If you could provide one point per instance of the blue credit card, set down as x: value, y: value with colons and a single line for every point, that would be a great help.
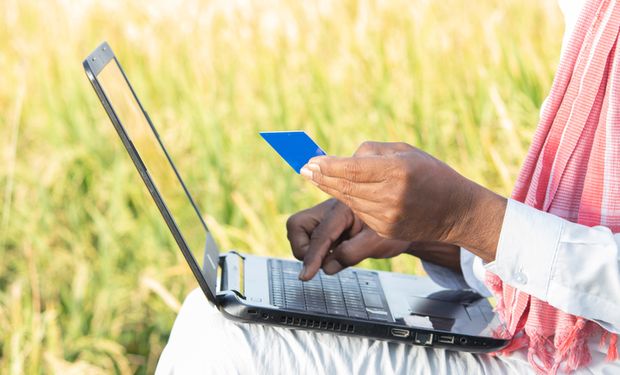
x: 295, y: 147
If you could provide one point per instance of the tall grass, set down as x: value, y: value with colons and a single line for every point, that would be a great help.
x: 90, y: 279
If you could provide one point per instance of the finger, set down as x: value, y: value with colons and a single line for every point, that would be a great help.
x: 361, y: 206
x: 374, y: 214
x: 363, y: 246
x: 357, y: 168
x: 350, y: 252
x: 299, y: 226
x: 355, y: 203
x: 367, y: 191
x: 298, y: 230
x: 323, y: 238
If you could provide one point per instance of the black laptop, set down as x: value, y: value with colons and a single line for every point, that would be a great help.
x: 262, y: 290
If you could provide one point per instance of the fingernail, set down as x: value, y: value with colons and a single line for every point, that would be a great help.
x: 314, y: 167
x: 332, y: 267
x: 303, y: 272
x: 306, y: 172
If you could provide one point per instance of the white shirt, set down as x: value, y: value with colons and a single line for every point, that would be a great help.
x: 570, y: 266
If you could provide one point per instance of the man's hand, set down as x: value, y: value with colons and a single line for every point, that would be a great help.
x: 403, y: 193
x: 331, y: 237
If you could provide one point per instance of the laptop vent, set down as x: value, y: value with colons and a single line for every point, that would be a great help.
x: 326, y: 325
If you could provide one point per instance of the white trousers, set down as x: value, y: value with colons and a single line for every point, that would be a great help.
x: 203, y: 341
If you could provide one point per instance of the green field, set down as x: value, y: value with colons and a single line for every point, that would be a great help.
x: 90, y: 279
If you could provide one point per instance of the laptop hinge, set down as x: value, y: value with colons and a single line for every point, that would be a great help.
x: 233, y: 273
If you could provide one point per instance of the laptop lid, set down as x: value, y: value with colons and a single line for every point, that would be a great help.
x: 155, y: 166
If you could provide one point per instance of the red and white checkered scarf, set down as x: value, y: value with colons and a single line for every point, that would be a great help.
x: 572, y: 170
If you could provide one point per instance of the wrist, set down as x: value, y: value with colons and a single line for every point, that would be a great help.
x: 480, y: 224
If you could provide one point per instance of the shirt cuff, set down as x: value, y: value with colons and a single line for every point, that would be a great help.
x: 527, y: 249
x: 474, y: 272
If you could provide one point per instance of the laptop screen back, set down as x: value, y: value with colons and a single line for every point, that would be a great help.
x: 157, y: 167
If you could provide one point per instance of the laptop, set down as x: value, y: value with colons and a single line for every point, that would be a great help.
x: 262, y: 290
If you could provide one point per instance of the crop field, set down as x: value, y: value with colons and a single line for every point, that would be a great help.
x: 90, y: 278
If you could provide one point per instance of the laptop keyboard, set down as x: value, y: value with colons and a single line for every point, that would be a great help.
x: 350, y: 293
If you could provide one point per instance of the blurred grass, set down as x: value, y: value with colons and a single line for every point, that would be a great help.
x: 90, y: 279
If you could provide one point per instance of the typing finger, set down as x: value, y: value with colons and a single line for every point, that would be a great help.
x: 338, y: 221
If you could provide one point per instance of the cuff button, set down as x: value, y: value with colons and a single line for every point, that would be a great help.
x: 521, y: 278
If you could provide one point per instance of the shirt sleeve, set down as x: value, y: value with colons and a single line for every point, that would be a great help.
x: 572, y: 267
x: 472, y: 276
x: 445, y: 276
x: 474, y: 272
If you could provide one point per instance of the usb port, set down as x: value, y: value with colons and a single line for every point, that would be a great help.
x: 397, y: 332
x: 446, y: 339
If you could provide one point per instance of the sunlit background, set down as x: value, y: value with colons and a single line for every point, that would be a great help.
x: 90, y: 279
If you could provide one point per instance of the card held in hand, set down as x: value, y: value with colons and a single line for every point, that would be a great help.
x: 295, y: 147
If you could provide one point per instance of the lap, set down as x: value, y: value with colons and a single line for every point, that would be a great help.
x: 204, y: 341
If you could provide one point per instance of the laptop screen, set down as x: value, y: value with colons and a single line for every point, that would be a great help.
x: 184, y: 215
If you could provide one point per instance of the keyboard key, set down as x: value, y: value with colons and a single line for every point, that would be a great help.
x: 316, y: 308
x: 337, y: 311
x: 379, y: 317
x: 357, y: 314
x: 372, y: 300
x: 296, y: 306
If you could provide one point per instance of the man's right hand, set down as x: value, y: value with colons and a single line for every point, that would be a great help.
x: 331, y: 237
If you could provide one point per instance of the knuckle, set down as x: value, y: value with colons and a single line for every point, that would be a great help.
x: 390, y: 216
x: 293, y: 221
x: 392, y: 200
x: 298, y: 254
x: 342, y: 212
x: 318, y: 178
x: 340, y: 208
x: 351, y: 169
x: 402, y: 146
x: 322, y: 235
x: 366, y: 148
x: 346, y: 188
x: 331, y: 203
x: 317, y: 235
